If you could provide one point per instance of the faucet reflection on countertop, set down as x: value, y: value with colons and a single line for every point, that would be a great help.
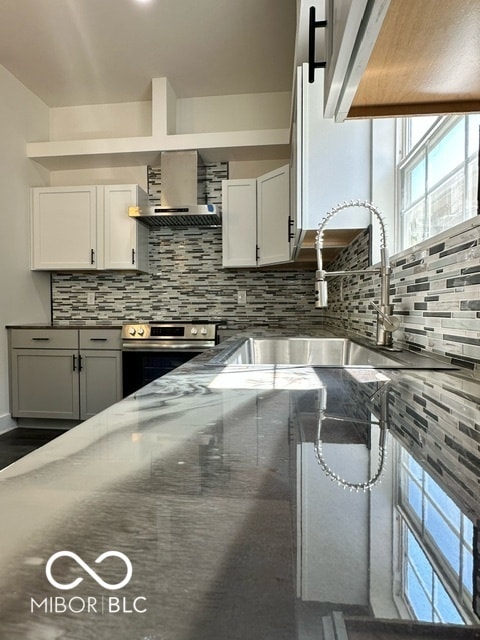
x: 386, y: 321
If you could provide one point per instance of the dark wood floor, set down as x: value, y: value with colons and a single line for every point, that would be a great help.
x: 18, y: 442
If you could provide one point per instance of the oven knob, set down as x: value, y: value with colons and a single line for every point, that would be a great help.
x: 141, y: 331
x: 132, y: 331
x: 203, y: 331
x: 194, y: 331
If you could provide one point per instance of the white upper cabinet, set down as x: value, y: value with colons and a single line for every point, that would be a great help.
x: 125, y: 240
x: 273, y: 217
x: 87, y: 228
x: 239, y: 223
x: 332, y: 159
x: 64, y: 228
x: 256, y: 225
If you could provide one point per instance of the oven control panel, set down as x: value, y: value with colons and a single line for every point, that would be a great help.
x: 166, y: 331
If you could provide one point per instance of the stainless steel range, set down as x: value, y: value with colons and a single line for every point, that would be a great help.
x: 154, y: 349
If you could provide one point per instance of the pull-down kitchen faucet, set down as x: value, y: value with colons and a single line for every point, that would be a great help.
x: 386, y: 321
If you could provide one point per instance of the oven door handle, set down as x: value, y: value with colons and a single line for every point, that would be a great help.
x: 143, y: 345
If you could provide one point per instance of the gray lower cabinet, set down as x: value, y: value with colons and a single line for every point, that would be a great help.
x: 100, y: 381
x: 68, y: 374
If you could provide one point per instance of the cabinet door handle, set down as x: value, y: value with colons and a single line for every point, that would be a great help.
x: 313, y: 25
x: 257, y: 253
x: 133, y: 256
x: 74, y: 362
x: 79, y: 363
x: 290, y: 232
x: 92, y: 256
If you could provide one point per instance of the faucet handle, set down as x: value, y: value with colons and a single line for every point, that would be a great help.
x: 389, y: 321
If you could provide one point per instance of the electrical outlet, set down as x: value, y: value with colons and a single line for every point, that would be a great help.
x: 242, y: 296
x: 91, y: 297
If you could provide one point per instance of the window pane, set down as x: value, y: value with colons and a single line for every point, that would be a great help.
x: 445, y: 204
x: 473, y: 133
x: 414, y: 468
x: 415, y: 497
x: 467, y: 530
x: 444, y: 605
x: 444, y: 537
x: 446, y: 505
x: 415, y: 227
x: 467, y: 554
x: 419, y: 580
x: 414, y: 182
x: 417, y: 597
x: 467, y: 573
x: 472, y: 189
x: 447, y: 154
x: 418, y: 128
x: 419, y: 561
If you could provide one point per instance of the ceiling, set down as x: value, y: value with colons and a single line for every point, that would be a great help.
x: 78, y: 52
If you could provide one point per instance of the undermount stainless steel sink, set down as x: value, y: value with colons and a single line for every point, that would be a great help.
x: 320, y: 352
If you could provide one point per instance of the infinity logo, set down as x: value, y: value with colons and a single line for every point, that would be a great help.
x: 79, y: 561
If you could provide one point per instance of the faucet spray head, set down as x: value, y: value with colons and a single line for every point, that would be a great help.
x: 321, y: 292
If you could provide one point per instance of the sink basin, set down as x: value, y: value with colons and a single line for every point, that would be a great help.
x: 320, y: 352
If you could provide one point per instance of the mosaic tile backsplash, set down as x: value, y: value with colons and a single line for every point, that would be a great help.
x: 187, y: 280
x: 435, y: 289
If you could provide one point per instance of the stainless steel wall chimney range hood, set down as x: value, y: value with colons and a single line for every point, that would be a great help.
x: 181, y: 193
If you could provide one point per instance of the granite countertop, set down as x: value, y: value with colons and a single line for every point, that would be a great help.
x: 87, y: 324
x: 229, y: 498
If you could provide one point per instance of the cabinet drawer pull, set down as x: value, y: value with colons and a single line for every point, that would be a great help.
x: 98, y: 339
x: 41, y: 339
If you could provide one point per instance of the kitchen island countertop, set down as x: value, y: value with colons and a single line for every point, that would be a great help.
x: 226, y: 504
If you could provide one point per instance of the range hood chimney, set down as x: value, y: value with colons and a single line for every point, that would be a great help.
x: 182, y: 201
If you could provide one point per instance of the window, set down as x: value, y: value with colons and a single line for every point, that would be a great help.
x: 437, y: 553
x: 438, y: 175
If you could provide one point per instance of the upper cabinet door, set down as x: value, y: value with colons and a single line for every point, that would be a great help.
x: 64, y: 228
x: 88, y: 228
x: 125, y: 240
x: 335, y: 161
x: 255, y: 220
x: 239, y: 223
x: 273, y: 217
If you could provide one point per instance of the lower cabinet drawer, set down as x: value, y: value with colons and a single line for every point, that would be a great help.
x: 100, y: 339
x: 44, y: 338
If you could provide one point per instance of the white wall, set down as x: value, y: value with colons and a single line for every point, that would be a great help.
x: 234, y: 112
x: 121, y: 120
x: 24, y: 295
x: 209, y: 114
x: 253, y: 168
x: 102, y: 175
x: 383, y: 182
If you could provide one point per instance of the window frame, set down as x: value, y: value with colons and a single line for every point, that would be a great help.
x: 410, y: 154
